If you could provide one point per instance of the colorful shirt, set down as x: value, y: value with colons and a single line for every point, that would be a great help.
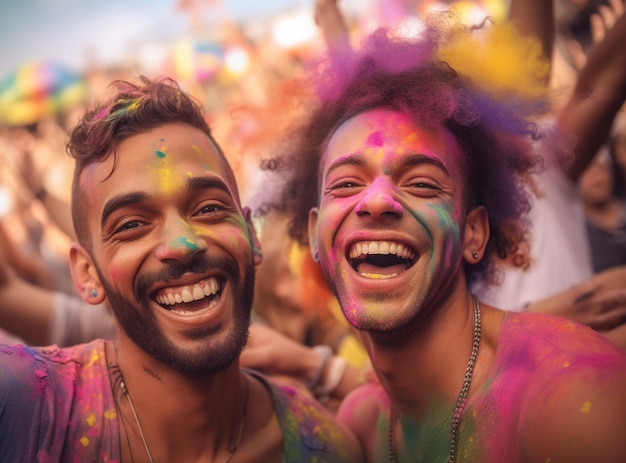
x: 57, y: 405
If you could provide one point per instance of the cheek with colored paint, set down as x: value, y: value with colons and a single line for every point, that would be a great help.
x: 114, y: 274
x: 121, y: 273
x: 447, y: 229
x: 238, y: 236
x: 329, y: 220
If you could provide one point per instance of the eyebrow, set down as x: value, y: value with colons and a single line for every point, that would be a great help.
x: 353, y: 159
x: 118, y: 202
x: 356, y: 159
x: 417, y: 159
x: 127, y: 199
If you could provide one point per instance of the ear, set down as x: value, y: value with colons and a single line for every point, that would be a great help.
x: 312, y: 229
x: 475, y: 235
x: 257, y: 252
x: 86, y: 279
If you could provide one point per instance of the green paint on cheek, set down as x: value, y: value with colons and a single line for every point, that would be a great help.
x: 160, y: 153
x: 445, y: 218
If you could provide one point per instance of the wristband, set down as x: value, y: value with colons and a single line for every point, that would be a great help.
x: 336, y: 370
x: 324, y: 352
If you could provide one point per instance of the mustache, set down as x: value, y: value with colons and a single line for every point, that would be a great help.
x: 172, y: 271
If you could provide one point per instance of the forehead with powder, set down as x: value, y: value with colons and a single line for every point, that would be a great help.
x: 162, y: 152
x: 383, y: 134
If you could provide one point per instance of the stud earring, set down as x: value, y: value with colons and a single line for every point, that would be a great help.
x: 475, y: 254
x: 94, y: 293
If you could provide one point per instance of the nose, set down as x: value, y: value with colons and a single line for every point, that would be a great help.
x: 180, y: 241
x: 378, y: 201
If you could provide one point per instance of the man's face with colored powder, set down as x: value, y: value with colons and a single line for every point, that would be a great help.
x: 172, y: 247
x: 387, y: 228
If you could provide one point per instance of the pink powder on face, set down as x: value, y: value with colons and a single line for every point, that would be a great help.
x: 375, y: 139
x: 114, y: 274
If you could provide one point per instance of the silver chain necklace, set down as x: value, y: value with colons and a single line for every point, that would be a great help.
x: 231, y: 449
x: 461, y: 400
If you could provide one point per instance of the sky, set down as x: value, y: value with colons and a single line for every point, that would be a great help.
x: 63, y: 30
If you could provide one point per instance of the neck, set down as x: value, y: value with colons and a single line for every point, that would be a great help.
x: 189, y: 410
x: 460, y: 402
x: 438, y: 356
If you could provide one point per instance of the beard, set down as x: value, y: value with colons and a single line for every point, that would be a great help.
x: 137, y: 319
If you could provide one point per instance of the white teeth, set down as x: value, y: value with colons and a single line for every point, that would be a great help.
x: 381, y: 247
x: 196, y: 292
x: 187, y: 296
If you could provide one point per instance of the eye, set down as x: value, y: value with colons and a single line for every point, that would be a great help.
x: 128, y: 227
x: 423, y: 188
x: 426, y: 185
x: 210, y: 209
x: 343, y: 187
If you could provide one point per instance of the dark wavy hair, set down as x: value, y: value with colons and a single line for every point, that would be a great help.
x: 494, y: 129
x: 132, y: 109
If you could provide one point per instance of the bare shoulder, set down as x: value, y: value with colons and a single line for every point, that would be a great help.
x: 364, y: 411
x: 579, y: 416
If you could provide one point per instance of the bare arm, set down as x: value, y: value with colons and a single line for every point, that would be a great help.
x: 330, y: 20
x: 535, y: 18
x: 58, y: 209
x: 599, y: 93
x: 25, y: 309
x: 599, y: 302
x: 276, y: 354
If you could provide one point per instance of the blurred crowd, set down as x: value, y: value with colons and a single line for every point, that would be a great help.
x: 249, y: 113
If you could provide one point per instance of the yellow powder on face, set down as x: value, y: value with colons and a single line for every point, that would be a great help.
x: 168, y: 182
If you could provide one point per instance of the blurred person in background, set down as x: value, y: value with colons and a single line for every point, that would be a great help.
x: 605, y: 209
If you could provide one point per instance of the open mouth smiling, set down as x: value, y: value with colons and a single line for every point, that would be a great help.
x: 190, y: 299
x: 381, y: 259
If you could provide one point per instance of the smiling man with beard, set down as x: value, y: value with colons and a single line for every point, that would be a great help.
x: 163, y: 239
